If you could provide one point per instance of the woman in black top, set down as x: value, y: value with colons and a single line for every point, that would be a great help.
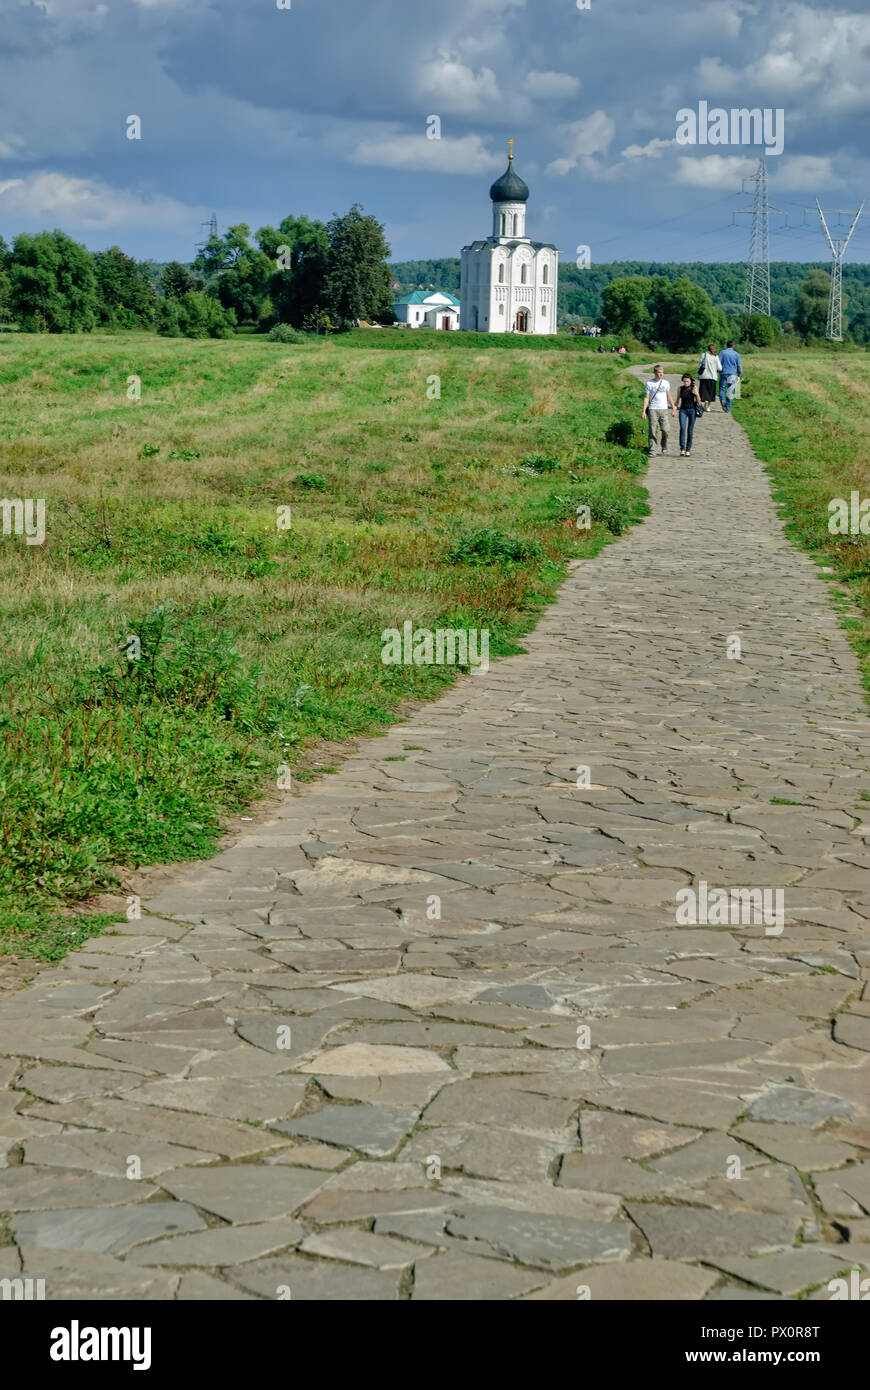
x: 688, y: 396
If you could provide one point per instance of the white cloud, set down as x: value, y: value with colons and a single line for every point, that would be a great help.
x: 805, y: 172
x: 61, y: 200
x: 730, y: 17
x: 654, y: 149
x: 555, y: 85
x: 714, y: 171
x: 465, y: 155
x: 714, y: 77
x: 815, y: 57
x: 584, y: 142
x: 453, y: 87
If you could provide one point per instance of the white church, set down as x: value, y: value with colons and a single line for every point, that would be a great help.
x: 508, y: 283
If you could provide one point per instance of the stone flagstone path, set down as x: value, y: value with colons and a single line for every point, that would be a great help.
x: 433, y: 1130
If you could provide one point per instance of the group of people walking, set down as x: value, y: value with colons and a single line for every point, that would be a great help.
x: 695, y: 398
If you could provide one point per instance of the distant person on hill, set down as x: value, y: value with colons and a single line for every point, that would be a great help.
x: 688, y: 396
x: 622, y: 352
x: 656, y: 403
x: 732, y: 371
x: 709, y: 369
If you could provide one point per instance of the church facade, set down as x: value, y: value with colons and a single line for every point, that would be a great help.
x: 508, y: 283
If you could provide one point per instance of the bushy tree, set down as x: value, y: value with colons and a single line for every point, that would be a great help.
x: 194, y: 315
x: 623, y: 306
x: 357, y: 283
x: 53, y: 288
x: 234, y: 272
x: 5, y: 282
x: 176, y: 280
x: 760, y: 329
x: 295, y: 287
x: 811, y: 305
x: 682, y: 314
x: 125, y: 290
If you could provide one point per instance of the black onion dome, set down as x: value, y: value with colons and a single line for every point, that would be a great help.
x: 510, y: 188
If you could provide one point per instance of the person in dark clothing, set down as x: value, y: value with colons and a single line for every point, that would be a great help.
x: 688, y: 396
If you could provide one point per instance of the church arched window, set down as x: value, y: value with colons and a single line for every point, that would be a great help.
x: 501, y: 274
x: 516, y: 222
x: 524, y: 274
x: 504, y: 224
x: 546, y: 278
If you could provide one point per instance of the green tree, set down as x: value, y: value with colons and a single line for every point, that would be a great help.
x: 357, y: 283
x: 234, y: 272
x: 623, y: 306
x: 194, y: 315
x: 53, y: 288
x: 125, y: 290
x: 5, y: 282
x: 298, y: 251
x: 811, y: 305
x: 760, y: 329
x: 682, y: 314
x: 176, y: 280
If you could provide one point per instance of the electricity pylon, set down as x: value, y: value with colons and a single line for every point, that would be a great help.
x: 838, y: 250
x: 756, y: 299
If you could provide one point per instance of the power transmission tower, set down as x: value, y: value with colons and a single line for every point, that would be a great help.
x: 212, y: 226
x: 838, y: 250
x: 756, y: 299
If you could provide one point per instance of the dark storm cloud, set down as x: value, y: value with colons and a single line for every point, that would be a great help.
x: 255, y: 111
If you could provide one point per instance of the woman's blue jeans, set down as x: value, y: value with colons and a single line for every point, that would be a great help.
x: 687, y: 428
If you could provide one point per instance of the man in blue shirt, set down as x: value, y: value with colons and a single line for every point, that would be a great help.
x: 732, y: 370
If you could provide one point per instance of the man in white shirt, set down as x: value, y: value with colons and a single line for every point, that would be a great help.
x: 656, y: 403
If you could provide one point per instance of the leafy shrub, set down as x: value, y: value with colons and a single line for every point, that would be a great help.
x: 540, y: 463
x: 490, y: 546
x: 149, y: 450
x: 194, y: 315
x: 283, y: 333
x: 607, y: 503
x: 620, y: 432
x: 186, y: 454
x: 315, y: 482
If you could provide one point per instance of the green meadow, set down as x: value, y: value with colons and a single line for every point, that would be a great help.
x: 223, y: 554
x: 808, y: 420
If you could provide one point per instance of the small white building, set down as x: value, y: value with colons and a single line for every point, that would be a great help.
x: 434, y: 308
x: 509, y: 284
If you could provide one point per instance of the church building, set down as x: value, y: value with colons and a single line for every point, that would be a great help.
x: 508, y: 283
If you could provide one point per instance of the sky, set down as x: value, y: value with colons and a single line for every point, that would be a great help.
x: 251, y: 111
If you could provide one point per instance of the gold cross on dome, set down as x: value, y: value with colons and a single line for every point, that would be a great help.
x: 510, y: 148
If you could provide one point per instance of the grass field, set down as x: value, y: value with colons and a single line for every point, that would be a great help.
x: 808, y: 418
x: 252, y: 642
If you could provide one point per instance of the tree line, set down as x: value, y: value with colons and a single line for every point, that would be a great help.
x: 310, y: 275
x: 798, y: 290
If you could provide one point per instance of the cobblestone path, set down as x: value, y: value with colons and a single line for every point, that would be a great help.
x: 293, y: 1075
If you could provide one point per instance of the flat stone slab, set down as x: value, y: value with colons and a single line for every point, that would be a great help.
x: 373, y: 1129
x: 663, y: 1281
x: 367, y: 1059
x: 853, y: 1031
x: 786, y: 1274
x: 362, y: 1247
x: 112, y: 1230
x: 789, y: 1105
x: 682, y: 1232
x: 30, y: 1188
x: 222, y: 1247
x: 457, y: 1277
x: 245, y: 1191
x: 310, y: 1280
x: 536, y: 1239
